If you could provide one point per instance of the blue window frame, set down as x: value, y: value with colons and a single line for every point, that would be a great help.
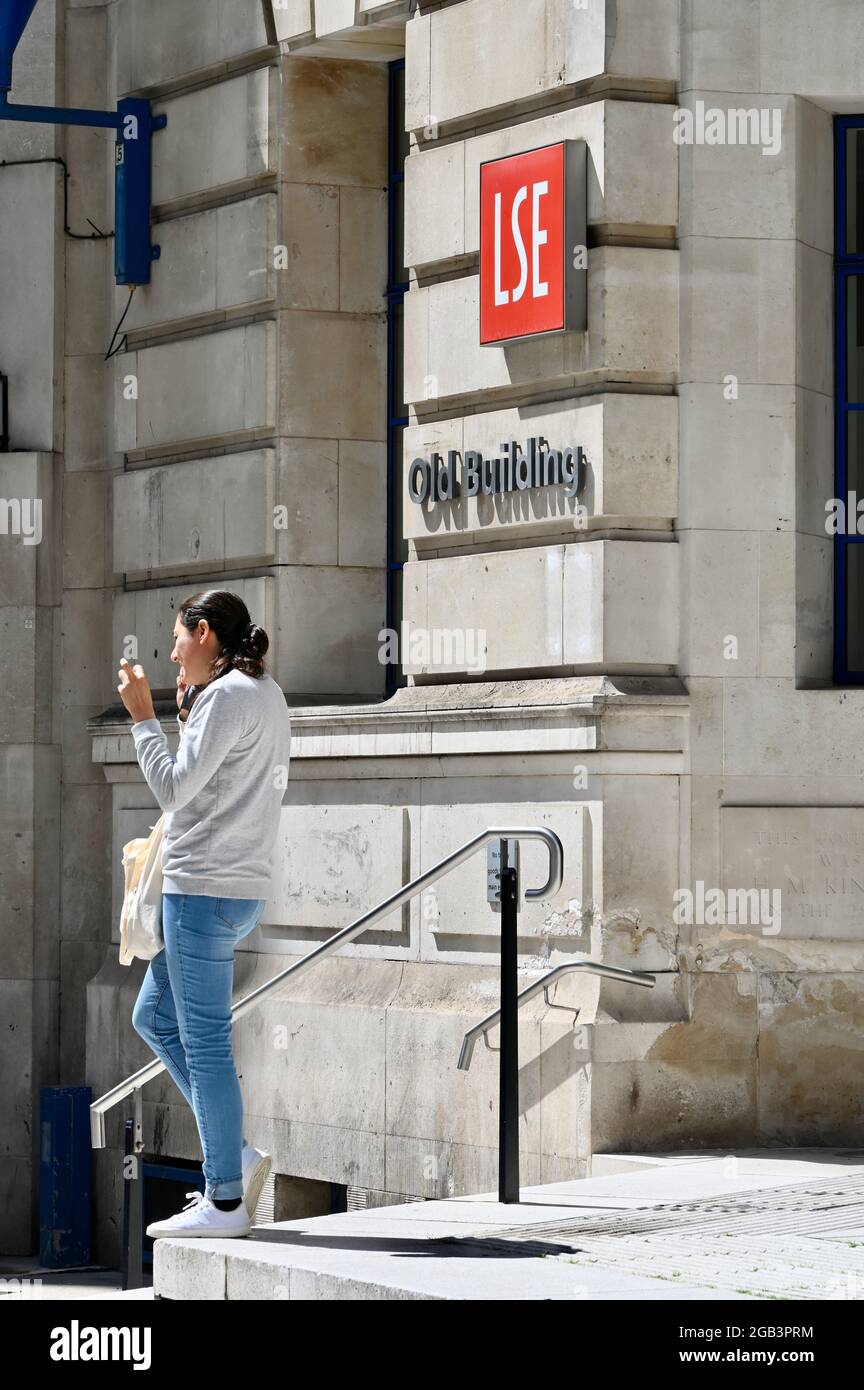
x: 849, y: 395
x: 397, y: 414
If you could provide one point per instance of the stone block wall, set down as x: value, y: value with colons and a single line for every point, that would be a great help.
x: 653, y: 664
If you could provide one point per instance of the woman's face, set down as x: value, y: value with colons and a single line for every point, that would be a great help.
x: 195, y: 651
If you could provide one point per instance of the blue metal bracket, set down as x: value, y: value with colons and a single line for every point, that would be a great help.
x: 134, y: 123
x: 133, y: 252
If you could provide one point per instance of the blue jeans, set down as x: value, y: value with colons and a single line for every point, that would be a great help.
x: 183, y: 1011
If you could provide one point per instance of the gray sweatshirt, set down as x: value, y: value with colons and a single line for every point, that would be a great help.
x: 223, y: 790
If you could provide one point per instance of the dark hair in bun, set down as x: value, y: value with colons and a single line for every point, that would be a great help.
x: 244, y: 644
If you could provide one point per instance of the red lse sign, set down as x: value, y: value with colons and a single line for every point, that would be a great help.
x: 530, y: 217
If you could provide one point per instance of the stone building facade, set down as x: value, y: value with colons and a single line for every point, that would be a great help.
x: 658, y: 680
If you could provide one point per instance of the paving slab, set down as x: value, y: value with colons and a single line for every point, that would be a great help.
x: 652, y: 1229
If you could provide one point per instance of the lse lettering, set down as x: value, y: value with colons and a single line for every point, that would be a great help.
x: 539, y: 237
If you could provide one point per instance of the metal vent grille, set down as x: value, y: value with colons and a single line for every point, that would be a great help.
x: 265, y: 1212
x: 360, y: 1198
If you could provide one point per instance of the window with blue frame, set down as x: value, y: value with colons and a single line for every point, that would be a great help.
x: 397, y: 413
x: 849, y: 397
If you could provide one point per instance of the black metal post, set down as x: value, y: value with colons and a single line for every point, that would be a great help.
x: 133, y: 1211
x: 508, y: 1106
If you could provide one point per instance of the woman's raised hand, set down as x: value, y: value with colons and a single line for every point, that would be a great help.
x: 134, y: 690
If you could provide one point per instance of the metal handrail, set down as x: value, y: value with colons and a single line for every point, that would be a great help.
x: 553, y: 883
x: 591, y: 967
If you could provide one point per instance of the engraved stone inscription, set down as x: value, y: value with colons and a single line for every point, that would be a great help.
x: 813, y: 855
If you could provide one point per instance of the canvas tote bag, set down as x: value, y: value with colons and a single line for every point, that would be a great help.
x: 141, y: 917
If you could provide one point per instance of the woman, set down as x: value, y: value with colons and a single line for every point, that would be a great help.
x: 221, y: 794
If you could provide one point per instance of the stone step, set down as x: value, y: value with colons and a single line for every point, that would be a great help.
x: 791, y: 1221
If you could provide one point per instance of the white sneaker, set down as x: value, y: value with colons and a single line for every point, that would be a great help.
x: 201, y: 1218
x: 256, y: 1166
